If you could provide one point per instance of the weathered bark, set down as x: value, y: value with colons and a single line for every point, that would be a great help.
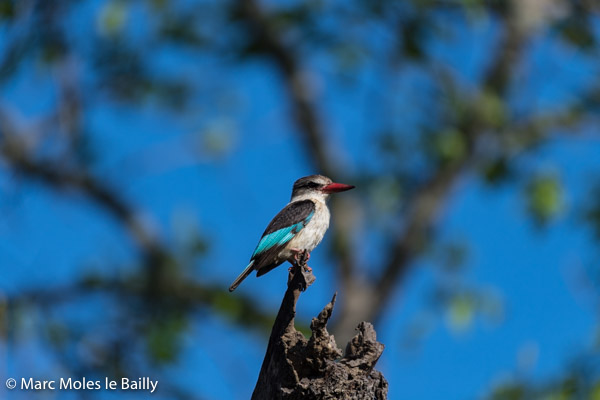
x: 297, y: 368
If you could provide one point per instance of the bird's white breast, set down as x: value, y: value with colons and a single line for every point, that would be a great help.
x: 312, y: 234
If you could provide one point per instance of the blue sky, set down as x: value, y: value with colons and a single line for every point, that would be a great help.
x: 52, y: 238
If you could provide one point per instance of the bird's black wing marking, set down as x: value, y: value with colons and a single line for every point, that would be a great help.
x: 291, y: 214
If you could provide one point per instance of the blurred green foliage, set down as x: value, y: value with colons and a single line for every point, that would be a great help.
x: 545, y: 197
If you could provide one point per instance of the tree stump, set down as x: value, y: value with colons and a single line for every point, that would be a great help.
x: 297, y: 368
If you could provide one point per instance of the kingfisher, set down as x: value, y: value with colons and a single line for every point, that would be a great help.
x: 299, y: 227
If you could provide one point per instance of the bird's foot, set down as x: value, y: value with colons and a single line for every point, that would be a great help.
x: 301, y: 256
x: 299, y: 267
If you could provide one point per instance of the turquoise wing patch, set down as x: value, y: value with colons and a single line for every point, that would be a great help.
x: 281, y: 236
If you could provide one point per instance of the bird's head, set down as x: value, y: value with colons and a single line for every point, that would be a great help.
x: 318, y: 186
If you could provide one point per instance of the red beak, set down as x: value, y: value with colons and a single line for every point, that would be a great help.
x: 336, y: 187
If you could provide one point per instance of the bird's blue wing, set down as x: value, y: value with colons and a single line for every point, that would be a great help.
x: 281, y: 236
x: 291, y: 220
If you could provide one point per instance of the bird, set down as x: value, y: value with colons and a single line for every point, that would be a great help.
x: 299, y: 227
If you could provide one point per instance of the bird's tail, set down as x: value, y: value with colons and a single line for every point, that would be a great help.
x: 242, y: 276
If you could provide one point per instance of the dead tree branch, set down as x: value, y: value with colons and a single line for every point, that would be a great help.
x: 297, y: 368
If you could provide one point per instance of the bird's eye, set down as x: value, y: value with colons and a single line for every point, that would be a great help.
x: 313, y: 185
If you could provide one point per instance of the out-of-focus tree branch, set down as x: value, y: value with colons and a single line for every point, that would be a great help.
x: 310, y: 125
x: 370, y: 296
x: 178, y: 293
x: 422, y: 210
x: 60, y: 175
x: 425, y: 205
x: 55, y: 174
x: 296, y: 81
